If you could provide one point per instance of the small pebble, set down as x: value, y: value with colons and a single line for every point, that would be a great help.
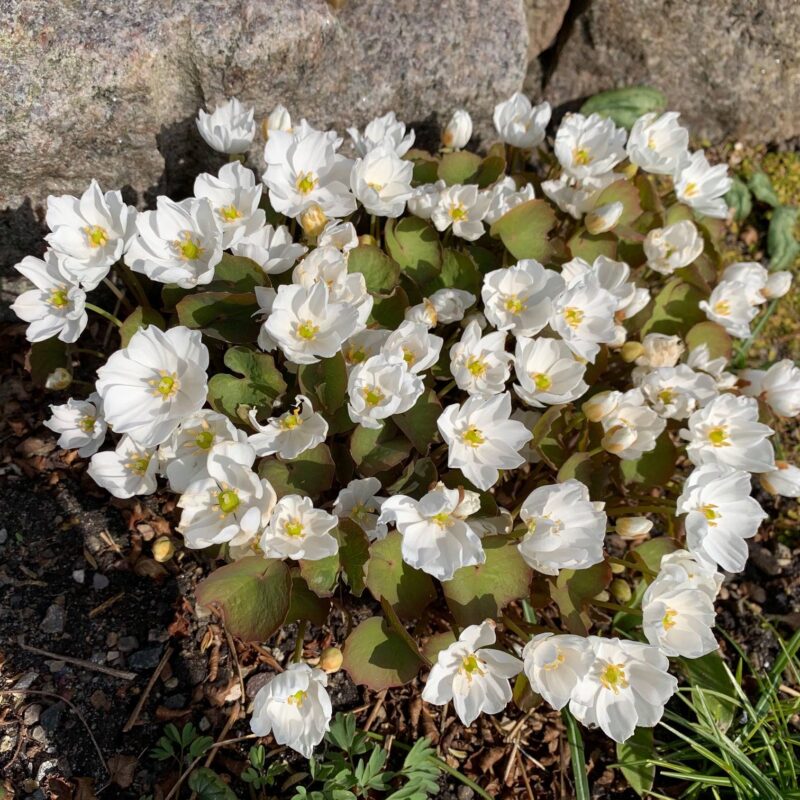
x: 53, y: 621
x: 38, y: 734
x: 79, y: 575
x: 175, y: 701
x: 31, y: 715
x: 145, y: 659
x: 51, y: 717
x: 171, y: 683
x: 3, y: 535
x: 112, y: 655
x: 99, y: 581
x: 127, y: 644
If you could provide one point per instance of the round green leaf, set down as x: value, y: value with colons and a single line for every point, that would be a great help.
x: 652, y: 551
x: 459, y: 167
x: 325, y: 382
x: 653, y: 468
x: 524, y: 230
x: 626, y: 105
x: 376, y: 451
x: 310, y: 474
x: 321, y: 575
x: 305, y: 604
x: 436, y: 643
x: 715, y: 336
x: 589, y: 246
x: 458, y: 272
x: 238, y: 274
x: 633, y: 756
x: 419, y: 422
x: 625, y: 192
x: 675, y: 309
x: 414, y: 244
x: 139, y: 318
x: 227, y: 316
x: 573, y: 591
x: 380, y: 272
x: 353, y: 554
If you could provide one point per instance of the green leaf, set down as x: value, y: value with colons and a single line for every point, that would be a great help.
x: 238, y: 274
x: 632, y: 758
x: 380, y: 272
x: 458, y: 272
x: 305, y: 604
x: 459, y: 167
x: 481, y: 592
x: 310, y: 474
x: 46, y: 357
x: 652, y: 551
x: 782, y: 245
x: 209, y: 786
x: 653, y: 468
x: 419, y: 422
x: 589, y: 246
x: 761, y: 187
x: 739, y: 199
x: 252, y: 595
x: 708, y: 677
x: 375, y: 451
x: 379, y: 658
x: 436, y: 643
x: 139, y: 318
x: 388, y: 312
x: 221, y: 315
x: 353, y: 554
x: 261, y: 385
x: 416, y: 479
x: 408, y: 590
x: 625, y: 106
x: 321, y: 575
x: 492, y: 167
x: 675, y: 309
x: 394, y: 622
x: 625, y: 192
x: 578, y: 465
x: 426, y: 167
x: 325, y: 382
x: 414, y: 244
x: 714, y: 336
x: 524, y: 230
x: 573, y: 591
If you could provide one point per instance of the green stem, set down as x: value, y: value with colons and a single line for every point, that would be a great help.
x: 578, y: 758
x: 634, y: 510
x: 741, y: 354
x: 301, y: 635
x: 88, y: 352
x: 630, y: 565
x: 133, y: 283
x: 446, y: 389
x: 103, y: 313
x: 111, y: 286
x: 615, y: 607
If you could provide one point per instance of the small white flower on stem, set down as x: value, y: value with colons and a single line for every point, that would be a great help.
x: 290, y: 434
x: 412, y: 343
x: 519, y: 123
x: 554, y: 663
x: 271, y: 248
x: 230, y: 128
x: 778, y: 386
x: 385, y: 131
x: 80, y: 425
x: 380, y: 387
x: 658, y: 144
x: 480, y: 364
x: 784, y: 480
x: 673, y: 247
x: 463, y: 208
x: 381, y: 181
x: 702, y: 186
x: 359, y: 501
x: 589, y: 146
x: 297, y: 530
x: 547, y: 372
x: 128, y: 471
x: 458, y: 130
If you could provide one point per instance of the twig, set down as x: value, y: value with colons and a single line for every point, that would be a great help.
x: 380, y: 700
x: 525, y: 776
x: 147, y: 689
x: 73, y: 707
x: 79, y: 662
x: 235, y: 657
x: 105, y: 605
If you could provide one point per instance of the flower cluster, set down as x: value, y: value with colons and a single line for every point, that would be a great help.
x: 453, y: 366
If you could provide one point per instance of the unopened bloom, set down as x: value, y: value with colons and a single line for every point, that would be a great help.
x: 450, y: 305
x: 519, y: 123
x: 627, y: 685
x: 437, y: 538
x: 504, y: 196
x: 359, y: 501
x: 779, y: 386
x: 784, y: 480
x: 547, y: 372
x: 633, y: 527
x: 729, y: 306
x: 520, y: 298
x: 128, y: 471
x: 295, y: 707
x: 177, y: 243
x: 565, y: 528
x: 385, y: 131
x: 604, y: 218
x: 658, y: 144
x: 660, y: 350
x: 412, y: 343
x: 80, y: 425
x: 480, y: 364
x: 577, y: 197
x: 589, y: 146
x: 230, y: 503
x: 234, y: 198
x: 291, y: 433
x: 727, y: 431
x: 601, y: 405
x: 472, y: 674
x: 458, y: 130
x: 379, y: 388
x: 702, y: 186
x: 463, y: 207
x: 279, y: 119
x: 89, y: 233
x: 760, y: 285
x: 229, y: 129
x: 381, y: 181
x: 56, y: 307
x: 425, y: 198
x: 673, y: 247
x: 675, y: 392
x: 154, y: 383
x: 632, y: 428
x: 298, y: 530
x: 341, y: 235
x: 482, y: 439
x: 555, y: 663
x: 271, y: 248
x: 720, y: 514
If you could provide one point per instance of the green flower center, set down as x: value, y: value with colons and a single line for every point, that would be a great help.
x: 87, y: 424
x: 230, y: 213
x: 409, y: 357
x: 297, y: 698
x: 307, y: 330
x: 476, y: 367
x: 204, y: 440
x: 573, y: 316
x: 294, y: 528
x: 306, y: 182
x: 458, y: 212
x: 290, y: 421
x: 580, y: 155
x: 668, y: 620
x: 372, y: 395
x: 96, y: 236
x: 139, y: 464
x: 471, y: 666
x: 613, y: 678
x: 543, y: 382
x: 473, y: 437
x: 228, y: 501
x: 166, y: 386
x: 514, y: 305
x: 442, y: 519
x: 710, y: 513
x: 718, y: 436
x: 188, y: 248
x: 59, y: 298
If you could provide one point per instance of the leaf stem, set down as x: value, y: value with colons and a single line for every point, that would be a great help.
x: 615, y: 607
x: 301, y: 635
x: 578, y: 759
x: 742, y: 352
x: 633, y: 510
x: 133, y: 283
x: 103, y: 313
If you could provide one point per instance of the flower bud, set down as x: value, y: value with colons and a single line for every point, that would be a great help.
x: 621, y: 590
x: 313, y: 220
x: 366, y: 239
x: 784, y: 480
x: 331, y: 659
x: 619, y: 438
x: 631, y: 351
x: 778, y: 283
x: 633, y: 527
x: 604, y: 218
x: 458, y: 130
x: 278, y: 120
x: 163, y: 549
x: 601, y: 405
x: 60, y: 378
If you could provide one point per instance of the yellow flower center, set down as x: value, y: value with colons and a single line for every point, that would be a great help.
x: 718, y: 436
x: 555, y: 663
x: 372, y: 395
x: 473, y: 437
x: 96, y: 236
x: 230, y: 213
x: 376, y: 186
x: 458, y: 212
x: 204, y: 440
x: 228, y: 501
x: 297, y: 698
x: 187, y: 247
x: 290, y: 421
x: 307, y: 330
x: 166, y: 386
x: 668, y: 620
x: 471, y: 666
x: 294, y: 528
x: 613, y: 678
x: 59, y: 297
x: 306, y: 182
x: 573, y: 316
x: 711, y: 514
x: 138, y: 463
x: 514, y: 305
x: 690, y: 190
x: 409, y: 357
x: 543, y: 382
x: 442, y: 519
x: 86, y: 424
x: 581, y: 156
x: 355, y: 356
x: 476, y: 366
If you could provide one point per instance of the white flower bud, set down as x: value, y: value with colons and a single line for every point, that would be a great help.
x: 458, y: 131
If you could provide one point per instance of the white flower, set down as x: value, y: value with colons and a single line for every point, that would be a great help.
x: 58, y: 380
x: 186, y: 452
x: 154, y: 383
x: 633, y: 527
x: 753, y: 276
x: 520, y: 298
x: 604, y: 218
x: 728, y: 306
x: 702, y: 186
x: 583, y: 316
x: 291, y: 433
x: 381, y: 181
x: 412, y: 343
x: 458, y: 130
x: 626, y: 686
x: 127, y: 471
x: 519, y: 123
x: 341, y: 235
x: 727, y: 431
x: 784, y: 480
x: 295, y: 706
x: 675, y: 392
x: 463, y: 207
x: 425, y: 198
x: 234, y: 197
x: 673, y: 247
x: 480, y: 364
x: 699, y: 358
x: 307, y: 326
x: 589, y: 146
x: 271, y: 248
x: 565, y: 529
x: 555, y: 663
x: 56, y: 307
x: 601, y: 405
x: 385, y: 131
x: 177, y: 243
x: 504, y: 196
x: 692, y: 570
x: 363, y: 345
x: 230, y: 503
x: 482, y: 439
x: 80, y: 425
x: 379, y: 388
x: 298, y: 530
x: 660, y: 350
x: 720, y: 514
x: 229, y: 129
x: 304, y: 171
x: 632, y: 428
x: 359, y: 501
x: 778, y: 284
x: 658, y: 144
x: 279, y: 119
x: 89, y: 233
x: 678, y: 618
x: 436, y: 535
x: 547, y: 372
x: 575, y: 197
x: 779, y: 387
x: 473, y: 675
x: 450, y: 305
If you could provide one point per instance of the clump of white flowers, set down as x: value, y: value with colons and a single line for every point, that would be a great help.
x: 318, y: 361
